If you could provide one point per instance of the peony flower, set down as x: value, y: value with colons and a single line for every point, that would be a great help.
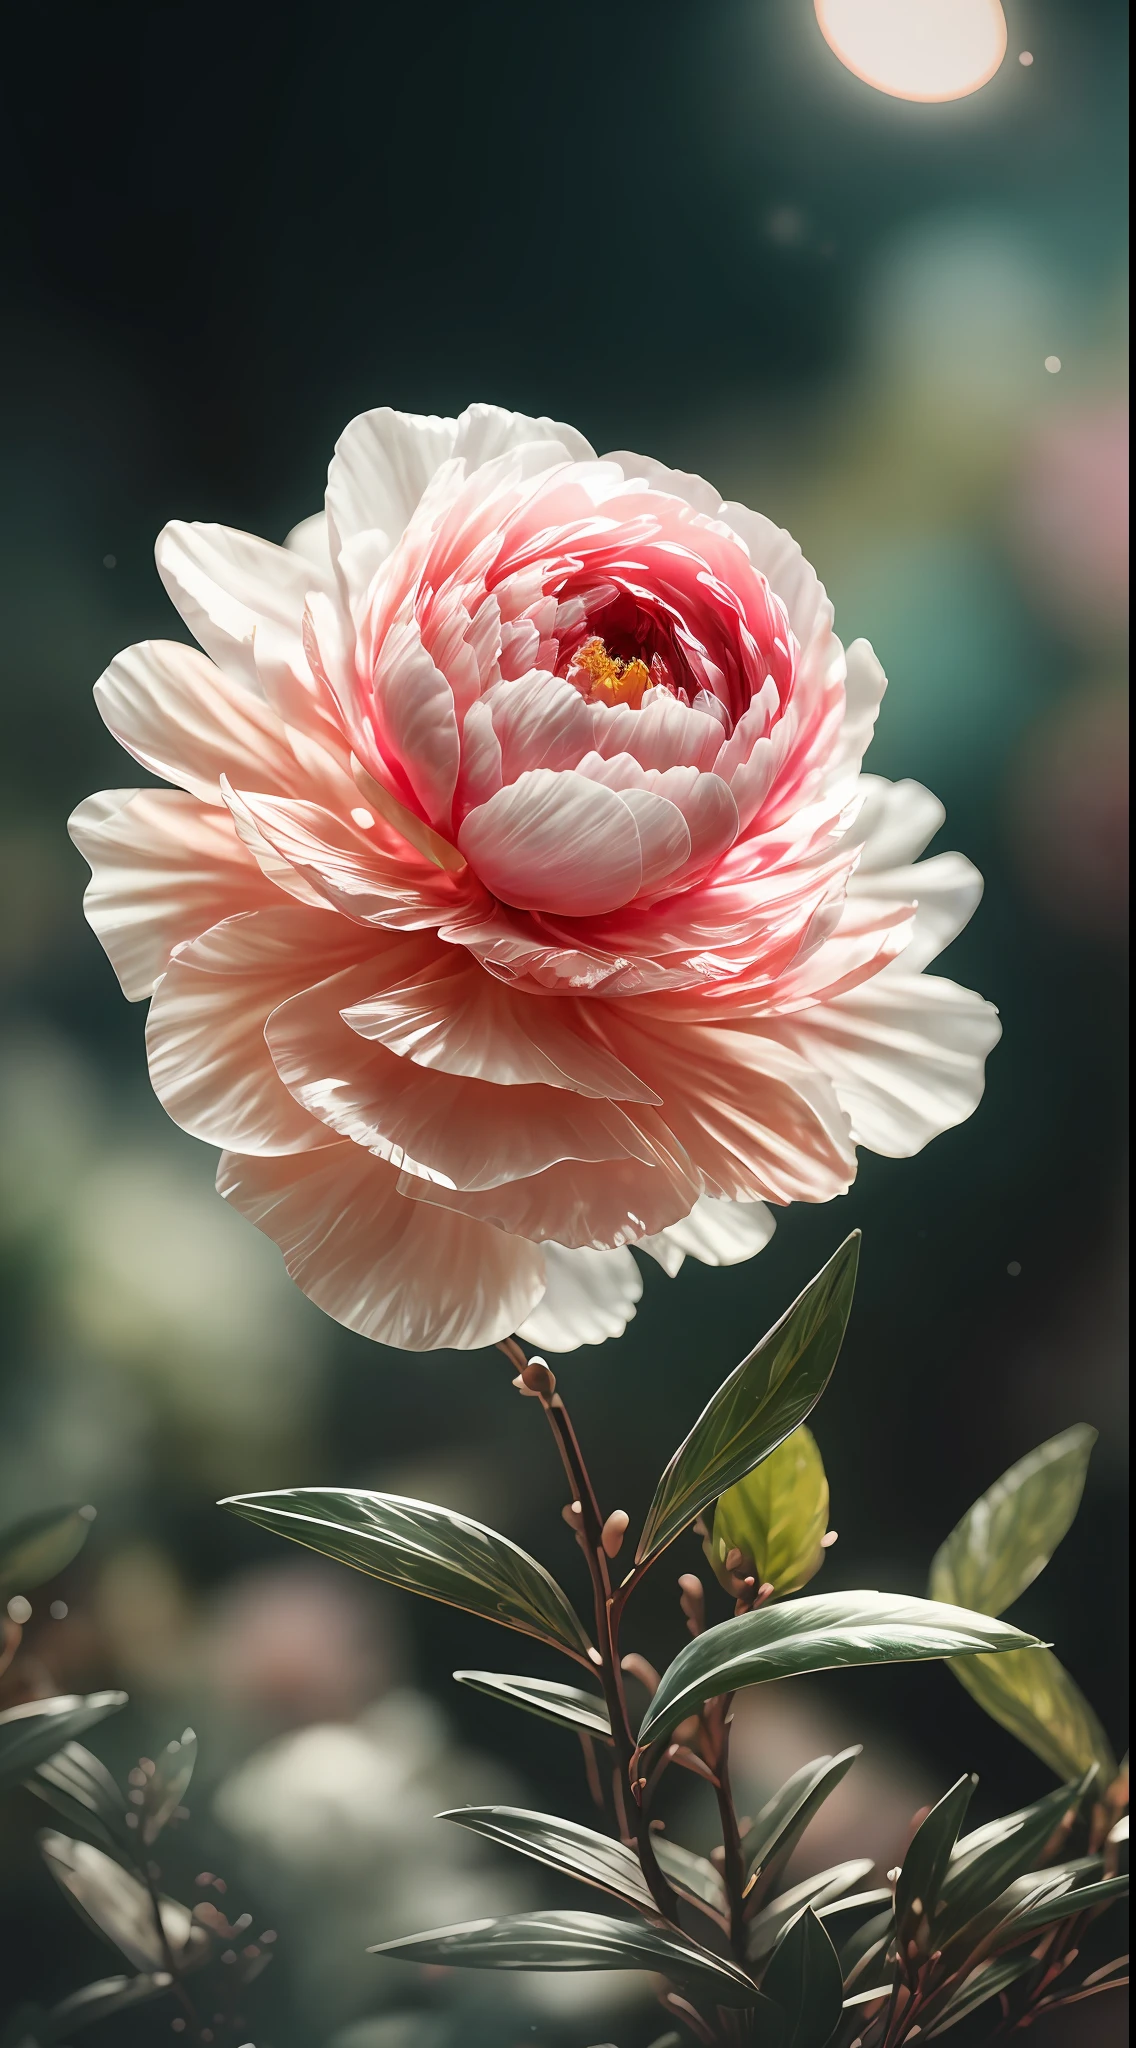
x: 519, y: 898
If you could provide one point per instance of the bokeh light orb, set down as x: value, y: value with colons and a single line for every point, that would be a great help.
x: 917, y: 49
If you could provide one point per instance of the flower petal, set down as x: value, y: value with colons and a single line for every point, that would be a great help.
x: 557, y: 843
x: 946, y: 891
x: 185, y: 720
x: 417, y: 721
x: 229, y: 585
x: 209, y: 1065
x: 718, y: 1233
x: 588, y: 1296
x: 311, y: 540
x: 384, y: 460
x: 164, y: 867
x: 388, y: 1269
x: 896, y: 822
x: 758, y: 1122
x: 458, y: 1019
x: 345, y: 865
x: 579, y: 1203
x: 905, y: 1053
x: 465, y: 1132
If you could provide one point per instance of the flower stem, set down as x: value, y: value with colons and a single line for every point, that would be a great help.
x: 631, y: 1814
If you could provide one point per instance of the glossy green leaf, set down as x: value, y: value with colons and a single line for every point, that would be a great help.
x: 81, y: 1790
x: 1012, y: 1531
x: 1031, y: 1694
x: 1088, y: 1898
x: 37, y: 1548
x: 776, y: 1516
x: 783, y: 1819
x: 575, y: 1941
x: 568, y: 1705
x: 802, y: 1977
x: 31, y: 1733
x: 425, y: 1549
x: 167, y: 1788
x: 858, y: 1906
x: 818, y: 1633
x: 765, y: 1398
x: 563, y: 1845
x: 987, y: 1981
x: 816, y: 1891
x: 919, y: 1886
x: 863, y: 1953
x: 102, y: 2000
x: 117, y: 1905
x: 983, y: 1863
x: 693, y: 1874
x: 996, y: 1926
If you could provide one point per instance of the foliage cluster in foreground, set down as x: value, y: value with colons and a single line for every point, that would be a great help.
x: 982, y: 1930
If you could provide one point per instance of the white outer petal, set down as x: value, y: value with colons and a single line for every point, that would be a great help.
x: 384, y: 460
x: 716, y: 1232
x: 229, y: 585
x: 896, y: 822
x: 311, y: 540
x: 905, y: 1054
x: 589, y: 1296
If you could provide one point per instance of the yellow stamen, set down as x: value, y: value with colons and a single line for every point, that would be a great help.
x: 612, y: 681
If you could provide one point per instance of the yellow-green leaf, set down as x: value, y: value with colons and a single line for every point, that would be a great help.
x: 1032, y: 1695
x: 776, y: 1516
x: 1012, y: 1531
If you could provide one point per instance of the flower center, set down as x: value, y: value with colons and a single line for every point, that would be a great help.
x: 605, y: 679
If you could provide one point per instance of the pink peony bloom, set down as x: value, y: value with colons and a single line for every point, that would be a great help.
x: 520, y: 898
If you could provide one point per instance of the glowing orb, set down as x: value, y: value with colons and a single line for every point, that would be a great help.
x: 917, y: 49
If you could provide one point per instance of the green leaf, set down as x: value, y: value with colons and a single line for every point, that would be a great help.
x: 818, y: 1633
x: 568, y: 1705
x: 37, y: 1548
x: 783, y: 1819
x: 167, y: 1788
x: 117, y: 1905
x: 983, y: 1863
x: 863, y: 1954
x: 693, y: 1874
x: 425, y: 1549
x: 762, y: 1402
x: 564, y: 1846
x: 1031, y: 1694
x: 988, y: 1980
x: 82, y: 1791
x: 109, y: 1995
x: 1012, y: 1531
x: 1087, y: 1898
x: 816, y: 1891
x: 860, y: 1902
x: 31, y: 1733
x: 995, y: 1927
x: 575, y: 1941
x: 919, y: 1886
x: 776, y: 1516
x: 803, y: 1978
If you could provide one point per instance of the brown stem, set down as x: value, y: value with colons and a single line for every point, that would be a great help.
x: 631, y: 1814
x: 177, y: 1987
x: 592, y: 1769
x: 733, y: 1859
